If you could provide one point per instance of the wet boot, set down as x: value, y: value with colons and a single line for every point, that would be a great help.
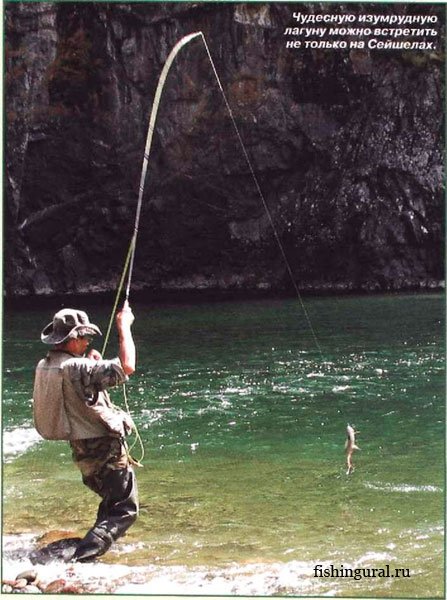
x: 94, y: 544
x: 119, y: 507
x: 116, y: 513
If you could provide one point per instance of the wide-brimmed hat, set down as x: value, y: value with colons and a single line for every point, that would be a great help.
x: 68, y: 323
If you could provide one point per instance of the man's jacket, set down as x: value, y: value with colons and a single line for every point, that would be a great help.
x: 70, y: 400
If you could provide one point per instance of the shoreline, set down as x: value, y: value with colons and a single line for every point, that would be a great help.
x: 204, y: 296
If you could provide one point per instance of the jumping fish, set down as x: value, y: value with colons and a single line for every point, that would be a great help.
x: 350, y: 446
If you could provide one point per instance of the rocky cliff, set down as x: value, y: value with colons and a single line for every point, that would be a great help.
x: 347, y: 146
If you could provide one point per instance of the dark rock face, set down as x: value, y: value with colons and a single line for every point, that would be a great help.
x: 347, y: 147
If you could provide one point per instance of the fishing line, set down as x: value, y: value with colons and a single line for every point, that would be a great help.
x: 264, y: 202
x: 106, y: 340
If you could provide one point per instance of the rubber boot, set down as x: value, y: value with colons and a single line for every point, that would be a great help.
x: 119, y: 507
x: 94, y: 544
x: 116, y: 513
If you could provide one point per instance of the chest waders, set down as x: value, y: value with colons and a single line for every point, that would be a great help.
x: 106, y: 471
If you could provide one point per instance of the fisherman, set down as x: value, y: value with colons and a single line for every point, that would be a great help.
x: 71, y: 403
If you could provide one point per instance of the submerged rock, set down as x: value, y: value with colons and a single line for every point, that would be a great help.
x: 54, y: 535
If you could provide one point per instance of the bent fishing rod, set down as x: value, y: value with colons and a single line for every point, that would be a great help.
x: 130, y: 258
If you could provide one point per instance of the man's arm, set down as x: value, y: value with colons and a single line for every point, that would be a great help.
x: 89, y: 377
x: 127, y: 351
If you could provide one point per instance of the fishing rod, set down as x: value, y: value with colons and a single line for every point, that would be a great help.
x: 130, y: 258
x: 147, y: 150
x: 129, y: 263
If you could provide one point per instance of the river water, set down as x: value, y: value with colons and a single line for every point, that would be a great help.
x: 244, y: 487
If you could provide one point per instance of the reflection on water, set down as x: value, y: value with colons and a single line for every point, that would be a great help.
x: 243, y: 421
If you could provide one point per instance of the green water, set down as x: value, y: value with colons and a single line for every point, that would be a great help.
x: 243, y: 423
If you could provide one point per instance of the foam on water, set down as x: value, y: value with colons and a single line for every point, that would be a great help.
x: 97, y: 577
x: 401, y: 488
x: 17, y: 441
x: 340, y: 388
x: 292, y: 578
x: 249, y: 579
x: 253, y: 579
x: 149, y: 417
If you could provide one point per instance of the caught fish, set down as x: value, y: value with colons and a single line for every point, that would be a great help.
x: 350, y: 446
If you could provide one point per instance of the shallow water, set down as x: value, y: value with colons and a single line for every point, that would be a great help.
x: 244, y: 488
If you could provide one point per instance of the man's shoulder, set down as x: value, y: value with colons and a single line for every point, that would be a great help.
x: 54, y: 359
x: 101, y: 374
x: 80, y: 364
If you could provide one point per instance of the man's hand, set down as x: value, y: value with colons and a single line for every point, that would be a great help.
x: 127, y: 352
x: 125, y: 318
x: 94, y: 354
x: 128, y: 424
